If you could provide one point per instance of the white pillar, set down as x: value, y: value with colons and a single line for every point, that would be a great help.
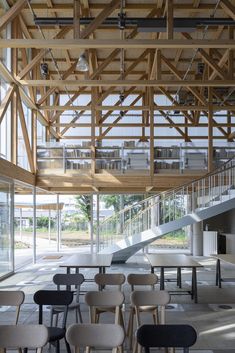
x: 97, y: 223
x: 58, y: 224
x: 20, y: 223
x: 34, y: 225
x: 49, y: 226
x: 91, y: 225
x: 197, y: 239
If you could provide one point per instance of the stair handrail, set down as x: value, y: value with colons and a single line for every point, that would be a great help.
x: 172, y: 190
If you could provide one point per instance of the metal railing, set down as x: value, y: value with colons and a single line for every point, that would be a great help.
x: 168, y: 206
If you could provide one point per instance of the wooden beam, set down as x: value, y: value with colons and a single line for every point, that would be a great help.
x: 5, y: 102
x: 10, y: 170
x: 40, y: 55
x: 170, y: 19
x: 127, y: 83
x: 12, y: 13
x: 25, y: 134
x: 71, y: 44
x: 228, y: 7
x: 207, y: 58
x: 109, y: 8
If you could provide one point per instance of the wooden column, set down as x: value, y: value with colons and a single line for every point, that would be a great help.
x: 210, y: 123
x: 93, y: 104
x: 151, y: 145
x: 170, y: 19
x: 14, y: 117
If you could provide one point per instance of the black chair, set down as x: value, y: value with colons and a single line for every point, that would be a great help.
x: 165, y: 336
x: 54, y: 297
x: 68, y: 280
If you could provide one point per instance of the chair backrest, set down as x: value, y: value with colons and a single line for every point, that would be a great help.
x: 103, y: 336
x: 150, y: 298
x: 12, y: 298
x: 142, y: 279
x: 53, y: 297
x: 71, y: 279
x: 23, y: 336
x: 177, y: 336
x: 104, y: 299
x: 110, y: 279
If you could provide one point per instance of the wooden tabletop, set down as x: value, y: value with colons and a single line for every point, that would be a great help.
x: 88, y: 261
x: 171, y: 260
x: 229, y: 258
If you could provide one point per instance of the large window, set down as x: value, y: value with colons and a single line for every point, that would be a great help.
x: 6, y: 227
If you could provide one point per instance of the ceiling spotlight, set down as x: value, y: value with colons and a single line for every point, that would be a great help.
x: 44, y: 70
x: 121, y: 97
x: 82, y: 64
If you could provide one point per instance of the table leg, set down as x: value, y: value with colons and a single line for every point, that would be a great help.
x: 162, y: 281
x: 194, y: 284
x: 218, y: 273
x: 179, y: 281
x: 68, y: 272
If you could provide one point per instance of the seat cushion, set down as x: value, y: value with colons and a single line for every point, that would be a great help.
x: 55, y: 333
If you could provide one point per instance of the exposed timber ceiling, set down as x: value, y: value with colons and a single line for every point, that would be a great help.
x: 181, y: 50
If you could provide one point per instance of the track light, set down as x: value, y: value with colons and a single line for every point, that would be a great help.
x: 44, y: 70
x: 82, y: 64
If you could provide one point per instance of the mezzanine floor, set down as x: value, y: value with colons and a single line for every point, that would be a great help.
x: 213, y: 317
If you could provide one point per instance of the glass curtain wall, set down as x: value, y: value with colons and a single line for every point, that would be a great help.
x: 6, y: 227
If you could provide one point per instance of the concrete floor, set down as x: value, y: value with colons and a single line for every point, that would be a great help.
x: 215, y: 324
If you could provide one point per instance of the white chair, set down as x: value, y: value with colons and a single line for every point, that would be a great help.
x: 98, y: 336
x: 157, y: 299
x: 148, y: 282
x: 12, y: 298
x: 69, y: 280
x: 22, y: 337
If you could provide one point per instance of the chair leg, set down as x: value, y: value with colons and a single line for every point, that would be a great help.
x: 67, y: 346
x: 155, y: 317
x: 121, y: 319
x: 58, y: 346
x: 130, y: 327
x: 80, y: 315
x: 76, y: 315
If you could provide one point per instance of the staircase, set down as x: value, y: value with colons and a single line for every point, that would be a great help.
x: 129, y: 230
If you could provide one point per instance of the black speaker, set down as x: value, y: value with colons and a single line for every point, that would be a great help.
x: 221, y: 242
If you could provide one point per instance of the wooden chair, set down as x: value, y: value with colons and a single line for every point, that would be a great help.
x: 72, y: 280
x: 137, y: 281
x: 98, y: 336
x: 97, y: 300
x: 157, y: 299
x: 109, y: 281
x: 165, y: 336
x: 54, y: 297
x: 22, y: 337
x: 12, y: 298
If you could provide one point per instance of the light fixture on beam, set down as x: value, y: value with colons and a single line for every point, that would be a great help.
x: 82, y: 64
x: 44, y: 70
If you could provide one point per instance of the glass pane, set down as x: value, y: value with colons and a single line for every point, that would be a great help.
x: 6, y: 263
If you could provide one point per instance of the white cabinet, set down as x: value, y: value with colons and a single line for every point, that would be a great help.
x: 210, y: 243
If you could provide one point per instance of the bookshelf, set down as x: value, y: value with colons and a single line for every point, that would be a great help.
x: 126, y: 158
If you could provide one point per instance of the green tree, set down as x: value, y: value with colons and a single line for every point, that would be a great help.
x: 83, y: 202
x: 116, y: 202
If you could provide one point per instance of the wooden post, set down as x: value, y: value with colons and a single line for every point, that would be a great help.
x: 151, y: 145
x: 170, y: 19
